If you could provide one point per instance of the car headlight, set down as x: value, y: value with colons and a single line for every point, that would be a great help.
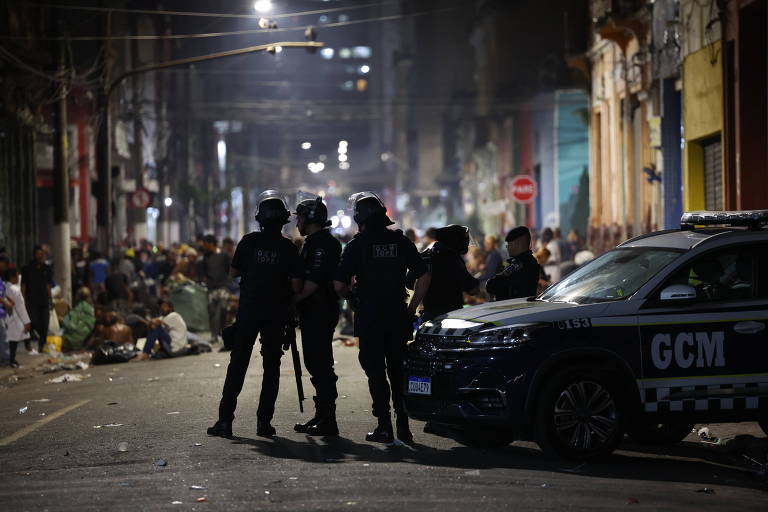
x: 509, y: 335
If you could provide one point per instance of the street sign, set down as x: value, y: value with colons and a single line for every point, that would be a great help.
x: 141, y: 198
x: 523, y: 188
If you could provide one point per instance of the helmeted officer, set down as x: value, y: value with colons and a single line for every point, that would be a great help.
x: 377, y: 259
x: 271, y: 272
x: 520, y: 277
x: 318, y: 313
x: 450, y: 278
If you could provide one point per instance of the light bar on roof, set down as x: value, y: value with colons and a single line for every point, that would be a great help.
x: 751, y: 218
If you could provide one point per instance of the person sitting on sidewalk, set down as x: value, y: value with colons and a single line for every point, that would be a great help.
x: 170, y: 330
x: 80, y: 322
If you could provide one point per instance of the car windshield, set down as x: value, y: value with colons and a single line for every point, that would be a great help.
x: 613, y: 276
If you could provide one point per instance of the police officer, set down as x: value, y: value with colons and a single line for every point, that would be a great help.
x: 521, y: 275
x: 318, y: 313
x: 271, y: 272
x: 450, y: 278
x: 378, y: 259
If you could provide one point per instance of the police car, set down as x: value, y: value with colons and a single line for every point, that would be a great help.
x: 665, y: 331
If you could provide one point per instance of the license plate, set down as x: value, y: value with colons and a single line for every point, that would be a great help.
x: 420, y: 385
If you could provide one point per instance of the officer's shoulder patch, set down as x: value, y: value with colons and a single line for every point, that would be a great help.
x: 384, y: 250
x: 512, y: 268
x: 317, y: 257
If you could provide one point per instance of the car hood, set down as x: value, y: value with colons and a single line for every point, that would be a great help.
x: 508, y: 312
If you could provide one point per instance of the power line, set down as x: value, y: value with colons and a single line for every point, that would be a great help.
x: 211, y: 14
x: 231, y: 33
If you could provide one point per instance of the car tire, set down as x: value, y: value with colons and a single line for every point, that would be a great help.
x: 659, y: 433
x: 578, y: 416
x: 764, y: 425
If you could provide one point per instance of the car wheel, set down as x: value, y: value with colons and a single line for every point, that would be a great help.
x: 764, y: 425
x: 578, y: 416
x: 659, y: 433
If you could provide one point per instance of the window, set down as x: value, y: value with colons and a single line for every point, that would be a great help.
x: 727, y: 274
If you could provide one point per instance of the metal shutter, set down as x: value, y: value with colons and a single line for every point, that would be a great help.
x: 713, y: 175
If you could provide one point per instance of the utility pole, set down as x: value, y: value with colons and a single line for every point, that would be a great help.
x: 61, y: 255
x: 103, y: 148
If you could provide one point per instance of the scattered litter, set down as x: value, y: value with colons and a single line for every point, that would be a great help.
x: 344, y: 396
x: 706, y: 490
x: 351, y: 503
x: 112, y: 403
x: 41, y: 400
x: 153, y: 379
x: 174, y: 412
x: 706, y: 437
x: 161, y: 462
x: 197, y: 487
x: 201, y: 499
x: 175, y: 503
x: 110, y: 379
x: 217, y: 365
x: 109, y: 425
x: 544, y: 486
x: 474, y: 472
x: 293, y: 478
x: 42, y: 414
x: 198, y: 444
x: 122, y: 447
x: 267, y: 492
x: 67, y: 377
x: 24, y: 409
x: 633, y: 501
x: 13, y: 379
x: 366, y: 465
x: 82, y: 365
x: 66, y: 453
x: 124, y: 484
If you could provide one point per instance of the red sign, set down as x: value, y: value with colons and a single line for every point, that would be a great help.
x: 523, y: 188
x: 141, y: 198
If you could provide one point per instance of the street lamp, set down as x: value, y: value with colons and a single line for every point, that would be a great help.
x: 263, y: 6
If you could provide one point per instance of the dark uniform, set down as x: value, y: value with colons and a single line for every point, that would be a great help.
x: 267, y: 261
x: 519, y: 279
x: 318, y: 315
x: 378, y: 259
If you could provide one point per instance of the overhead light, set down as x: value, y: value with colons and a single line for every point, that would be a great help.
x: 263, y: 5
x: 334, y: 221
x: 315, y: 167
x: 365, y: 68
x: 344, y: 166
x: 278, y: 49
x: 342, y: 157
x: 306, y: 145
x: 322, y: 158
x: 168, y: 202
x: 327, y: 53
x: 346, y: 221
x: 342, y: 150
x: 343, y: 143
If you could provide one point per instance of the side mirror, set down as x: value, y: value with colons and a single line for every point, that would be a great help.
x: 678, y: 293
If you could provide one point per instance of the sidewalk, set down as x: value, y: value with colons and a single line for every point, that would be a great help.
x: 29, y: 366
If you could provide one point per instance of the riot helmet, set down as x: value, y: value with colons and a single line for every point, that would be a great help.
x: 367, y: 207
x: 312, y: 209
x: 456, y: 237
x: 272, y: 208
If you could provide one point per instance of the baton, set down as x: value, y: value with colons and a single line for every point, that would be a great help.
x: 290, y: 332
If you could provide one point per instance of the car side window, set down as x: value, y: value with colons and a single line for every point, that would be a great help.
x: 727, y: 274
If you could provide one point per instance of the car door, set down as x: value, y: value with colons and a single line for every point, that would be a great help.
x: 708, y: 353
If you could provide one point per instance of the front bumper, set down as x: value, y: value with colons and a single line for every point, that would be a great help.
x: 468, y: 388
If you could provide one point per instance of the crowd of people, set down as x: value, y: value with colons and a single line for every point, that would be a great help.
x: 126, y: 300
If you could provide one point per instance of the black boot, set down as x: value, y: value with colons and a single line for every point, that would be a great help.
x: 302, y: 427
x: 221, y: 429
x: 382, y: 433
x: 264, y: 429
x: 326, y: 422
x: 403, y: 430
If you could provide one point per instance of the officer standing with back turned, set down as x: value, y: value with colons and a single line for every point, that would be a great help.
x: 318, y: 313
x: 270, y: 271
x: 520, y: 278
x: 372, y: 276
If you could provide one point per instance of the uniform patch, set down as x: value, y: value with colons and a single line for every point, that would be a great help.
x: 267, y: 257
x: 317, y: 258
x: 385, y: 250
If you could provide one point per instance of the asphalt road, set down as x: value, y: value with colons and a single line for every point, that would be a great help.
x: 53, y: 457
